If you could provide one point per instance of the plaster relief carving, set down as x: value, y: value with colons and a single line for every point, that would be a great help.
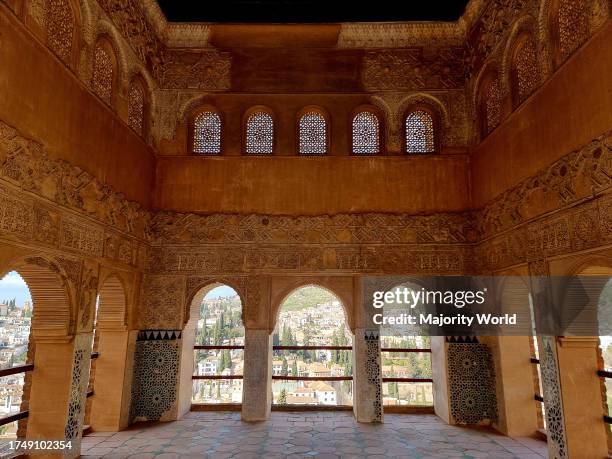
x: 390, y: 35
x: 27, y: 165
x: 208, y: 70
x: 87, y: 298
x: 578, y: 175
x: 487, y: 33
x: 163, y: 299
x: 338, y: 229
x: 413, y: 69
x: 16, y: 215
x: 129, y: 17
x: 81, y: 237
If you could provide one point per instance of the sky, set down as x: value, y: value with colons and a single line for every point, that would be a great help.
x: 13, y: 286
x: 223, y: 290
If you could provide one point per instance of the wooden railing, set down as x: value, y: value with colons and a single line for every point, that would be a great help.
x: 24, y: 369
x: 406, y: 351
x: 13, y: 371
x: 202, y: 347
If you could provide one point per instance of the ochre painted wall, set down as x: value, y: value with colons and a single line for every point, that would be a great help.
x: 309, y: 186
x: 573, y: 107
x: 45, y: 101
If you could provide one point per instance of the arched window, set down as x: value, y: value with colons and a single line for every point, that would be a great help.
x: 534, y: 347
x: 103, y: 79
x: 60, y: 28
x: 366, y: 133
x: 605, y: 343
x: 207, y: 133
x: 405, y: 358
x: 136, y: 106
x: 570, y: 26
x: 420, y: 132
x: 110, y: 324
x: 312, y: 360
x: 15, y: 323
x: 490, y: 103
x: 219, y: 347
x: 524, y: 76
x: 313, y: 134
x: 259, y: 133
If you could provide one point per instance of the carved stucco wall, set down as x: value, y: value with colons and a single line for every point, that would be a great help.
x: 77, y: 221
x: 60, y: 209
x: 565, y: 208
x: 446, y: 60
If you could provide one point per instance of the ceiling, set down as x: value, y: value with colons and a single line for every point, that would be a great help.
x: 311, y: 11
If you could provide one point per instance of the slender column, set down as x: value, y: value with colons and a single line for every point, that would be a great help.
x: 439, y: 371
x: 112, y: 385
x: 572, y: 397
x: 257, y: 379
x: 59, y: 390
x: 514, y: 381
x: 186, y: 371
x: 367, y: 379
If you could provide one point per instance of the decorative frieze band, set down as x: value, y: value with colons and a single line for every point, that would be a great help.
x: 369, y: 228
x: 243, y: 258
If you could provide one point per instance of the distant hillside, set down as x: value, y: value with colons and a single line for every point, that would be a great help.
x: 307, y: 297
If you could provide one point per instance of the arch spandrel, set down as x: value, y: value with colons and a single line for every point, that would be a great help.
x: 251, y: 289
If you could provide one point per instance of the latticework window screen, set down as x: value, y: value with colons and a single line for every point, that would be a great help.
x: 366, y: 135
x: 207, y: 133
x: 136, y: 102
x: 102, y: 80
x: 313, y: 134
x: 260, y: 134
x: 420, y: 135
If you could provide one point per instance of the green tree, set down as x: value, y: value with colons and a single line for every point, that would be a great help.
x: 216, y: 335
x: 282, y: 398
x: 284, y: 368
x: 348, y: 371
x: 228, y: 359
x: 218, y: 391
x: 294, y: 368
x: 334, y: 354
x: 202, y: 338
x: 306, y: 356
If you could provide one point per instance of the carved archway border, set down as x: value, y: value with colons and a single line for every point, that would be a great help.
x: 247, y: 288
x: 279, y: 297
x: 54, y: 284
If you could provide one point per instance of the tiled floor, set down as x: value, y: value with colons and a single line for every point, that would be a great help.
x: 307, y: 435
